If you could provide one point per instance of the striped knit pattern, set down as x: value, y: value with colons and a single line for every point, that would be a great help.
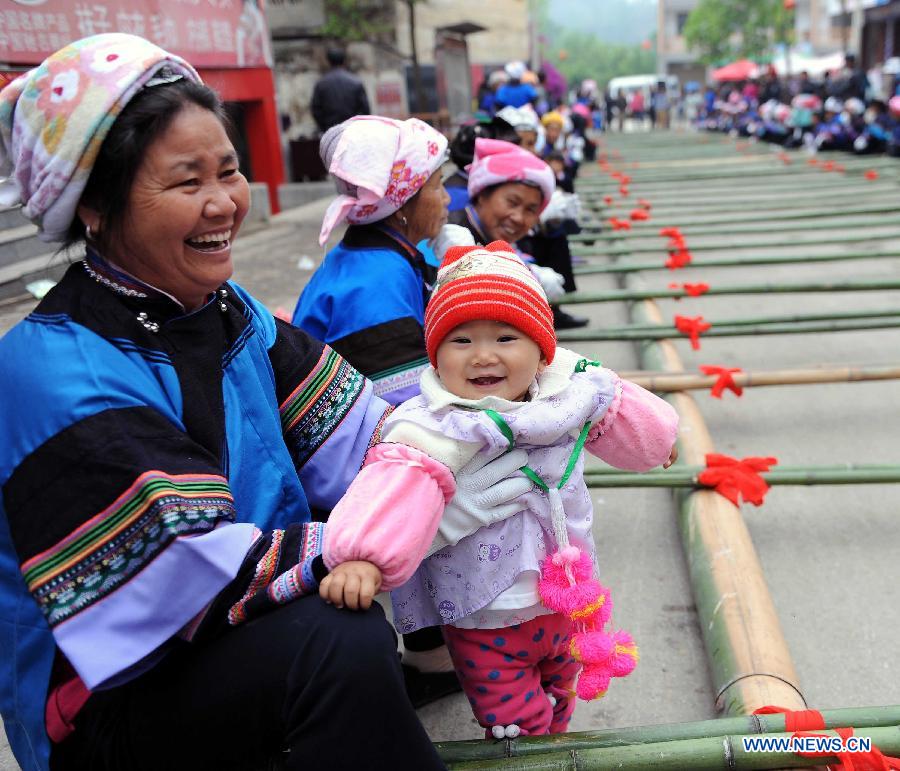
x: 262, y: 577
x: 316, y: 407
x: 488, y: 284
x: 114, y: 545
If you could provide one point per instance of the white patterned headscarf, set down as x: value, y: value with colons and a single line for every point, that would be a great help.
x: 378, y: 164
x: 54, y: 118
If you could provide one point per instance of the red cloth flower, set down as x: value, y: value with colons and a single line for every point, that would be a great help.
x: 799, y: 721
x: 737, y: 479
x: 871, y: 175
x: 828, y: 166
x: 608, y: 199
x: 617, y: 224
x: 726, y: 379
x: 693, y: 327
x: 639, y: 214
x: 644, y: 204
x: 812, y: 162
x: 695, y: 290
x: 623, y: 190
x: 678, y: 259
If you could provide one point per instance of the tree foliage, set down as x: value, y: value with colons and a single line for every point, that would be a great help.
x: 579, y: 55
x: 724, y: 30
x: 350, y: 21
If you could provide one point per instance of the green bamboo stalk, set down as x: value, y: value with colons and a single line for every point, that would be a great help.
x: 731, y: 262
x: 662, y: 382
x: 798, y: 318
x: 687, y: 479
x: 719, y: 330
x: 479, y: 749
x: 666, y: 206
x: 800, y: 214
x: 704, y: 754
x: 795, y: 226
x: 578, y: 298
x: 750, y: 664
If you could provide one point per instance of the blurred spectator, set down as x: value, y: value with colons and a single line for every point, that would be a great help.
x: 338, y: 95
x: 515, y: 93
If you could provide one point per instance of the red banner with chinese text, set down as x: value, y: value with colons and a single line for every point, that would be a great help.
x: 208, y: 33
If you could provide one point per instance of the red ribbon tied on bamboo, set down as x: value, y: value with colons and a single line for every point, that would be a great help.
x: 639, y: 214
x: 800, y: 722
x: 726, y: 379
x: 736, y: 479
x: 693, y: 327
x: 617, y: 224
x: 692, y: 290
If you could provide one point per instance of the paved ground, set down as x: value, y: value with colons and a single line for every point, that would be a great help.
x: 831, y: 554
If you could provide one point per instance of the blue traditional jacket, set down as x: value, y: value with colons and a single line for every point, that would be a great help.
x: 141, y: 448
x: 367, y: 301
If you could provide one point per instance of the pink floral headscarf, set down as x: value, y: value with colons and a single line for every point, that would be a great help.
x: 497, y: 162
x: 378, y: 164
x: 54, y: 118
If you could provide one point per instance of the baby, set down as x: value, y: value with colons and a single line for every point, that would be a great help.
x: 521, y: 608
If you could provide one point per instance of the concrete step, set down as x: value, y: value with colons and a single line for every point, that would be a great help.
x: 11, y: 217
x: 20, y: 243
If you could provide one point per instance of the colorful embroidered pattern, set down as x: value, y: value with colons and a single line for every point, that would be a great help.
x: 317, y: 406
x: 379, y: 427
x: 262, y: 576
x: 313, y: 540
x: 111, y: 547
x: 402, y: 376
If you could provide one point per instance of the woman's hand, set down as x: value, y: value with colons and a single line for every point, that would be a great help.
x: 351, y: 584
x: 673, y: 456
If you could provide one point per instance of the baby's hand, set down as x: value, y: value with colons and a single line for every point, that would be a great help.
x: 673, y: 456
x: 353, y: 584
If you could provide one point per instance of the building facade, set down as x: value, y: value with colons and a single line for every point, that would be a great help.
x: 672, y: 54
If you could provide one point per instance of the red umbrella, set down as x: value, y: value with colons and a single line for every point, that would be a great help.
x: 739, y: 70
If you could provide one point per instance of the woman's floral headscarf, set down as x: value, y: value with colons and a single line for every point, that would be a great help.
x: 54, y: 118
x: 378, y: 165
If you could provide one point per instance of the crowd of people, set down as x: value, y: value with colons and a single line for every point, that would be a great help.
x: 845, y: 112
x: 200, y: 500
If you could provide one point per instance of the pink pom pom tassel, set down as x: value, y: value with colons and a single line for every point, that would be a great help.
x: 591, y: 647
x: 593, y: 683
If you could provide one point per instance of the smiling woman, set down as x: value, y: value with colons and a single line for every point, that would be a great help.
x: 509, y: 188
x: 164, y: 441
x: 182, y: 199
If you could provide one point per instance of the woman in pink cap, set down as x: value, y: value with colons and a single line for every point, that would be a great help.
x: 509, y: 188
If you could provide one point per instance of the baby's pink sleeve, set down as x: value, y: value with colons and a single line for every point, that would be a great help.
x: 637, y: 432
x: 390, y: 512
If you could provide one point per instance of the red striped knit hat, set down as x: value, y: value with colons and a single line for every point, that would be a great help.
x: 487, y: 283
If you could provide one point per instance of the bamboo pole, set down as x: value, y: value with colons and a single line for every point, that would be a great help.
x: 795, y: 476
x: 577, y: 298
x: 731, y: 262
x: 664, y: 383
x: 793, y: 318
x: 704, y: 754
x: 757, y: 243
x: 748, y: 656
x: 747, y: 725
x: 796, y: 214
x: 796, y: 226
x: 719, y: 330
